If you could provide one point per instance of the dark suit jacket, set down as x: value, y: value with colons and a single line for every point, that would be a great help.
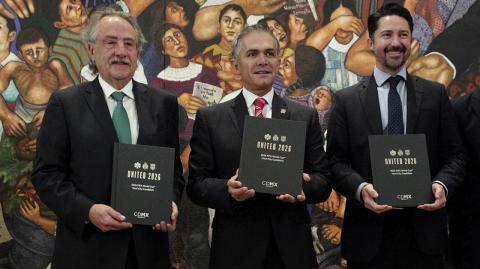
x: 241, y: 230
x: 467, y: 110
x: 73, y: 172
x: 355, y: 115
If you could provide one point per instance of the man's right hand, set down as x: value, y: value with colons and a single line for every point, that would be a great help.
x: 369, y: 194
x: 236, y: 190
x: 14, y: 125
x: 107, y: 219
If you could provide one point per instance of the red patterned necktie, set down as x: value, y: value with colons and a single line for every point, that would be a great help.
x: 259, y: 104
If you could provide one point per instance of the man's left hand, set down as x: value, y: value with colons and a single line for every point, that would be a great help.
x: 300, y: 198
x: 440, y: 199
x: 168, y: 227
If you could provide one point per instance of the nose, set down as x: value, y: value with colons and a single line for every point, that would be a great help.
x: 177, y: 40
x: 262, y: 59
x: 230, y: 24
x: 120, y: 49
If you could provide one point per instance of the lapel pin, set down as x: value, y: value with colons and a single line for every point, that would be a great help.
x: 283, y: 111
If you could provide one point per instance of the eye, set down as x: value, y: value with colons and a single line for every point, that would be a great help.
x: 251, y: 53
x: 271, y: 53
x: 129, y: 44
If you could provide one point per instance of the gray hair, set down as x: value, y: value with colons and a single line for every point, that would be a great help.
x: 237, y: 42
x: 89, y: 34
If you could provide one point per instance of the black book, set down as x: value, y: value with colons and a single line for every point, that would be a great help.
x: 272, y: 155
x: 400, y: 169
x: 142, y: 183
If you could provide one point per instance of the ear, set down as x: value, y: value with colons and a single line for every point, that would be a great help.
x: 370, y: 43
x: 91, y: 51
x: 236, y: 66
x: 11, y: 36
x: 50, y: 51
x: 59, y: 25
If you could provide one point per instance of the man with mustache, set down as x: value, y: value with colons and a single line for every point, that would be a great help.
x: 392, y: 102
x: 73, y: 172
x: 254, y: 230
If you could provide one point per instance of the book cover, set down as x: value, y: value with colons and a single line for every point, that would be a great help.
x: 272, y: 155
x: 400, y: 169
x: 142, y: 183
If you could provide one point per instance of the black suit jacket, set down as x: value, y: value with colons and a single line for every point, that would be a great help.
x: 73, y: 172
x: 241, y: 230
x: 467, y: 110
x: 355, y: 116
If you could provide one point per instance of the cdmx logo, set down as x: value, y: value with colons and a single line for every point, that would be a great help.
x: 404, y: 197
x: 141, y: 215
x: 269, y: 184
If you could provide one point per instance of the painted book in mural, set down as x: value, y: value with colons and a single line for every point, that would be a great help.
x: 304, y: 9
x: 142, y: 183
x: 400, y: 169
x: 271, y: 159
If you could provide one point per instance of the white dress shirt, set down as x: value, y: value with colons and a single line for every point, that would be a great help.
x: 250, y: 98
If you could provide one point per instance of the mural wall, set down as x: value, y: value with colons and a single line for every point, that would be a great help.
x: 323, y: 49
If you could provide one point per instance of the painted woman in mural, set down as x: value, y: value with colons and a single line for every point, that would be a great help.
x: 232, y: 20
x: 181, y: 74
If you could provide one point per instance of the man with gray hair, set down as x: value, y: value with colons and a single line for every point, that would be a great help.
x: 75, y: 148
x: 253, y: 230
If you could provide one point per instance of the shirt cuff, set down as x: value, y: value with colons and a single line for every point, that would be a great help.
x: 443, y: 185
x: 358, y: 193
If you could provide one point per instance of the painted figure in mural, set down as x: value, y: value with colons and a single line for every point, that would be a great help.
x: 335, y: 39
x: 70, y: 17
x: 213, y: 181
x: 179, y: 13
x: 464, y: 205
x: 36, y: 79
x: 8, y: 35
x: 373, y: 235
x: 180, y: 75
x: 280, y: 32
x: 232, y: 19
x: 206, y: 25
x: 179, y: 78
x: 78, y: 134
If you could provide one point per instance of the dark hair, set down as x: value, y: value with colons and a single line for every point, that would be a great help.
x: 10, y: 24
x: 233, y: 7
x: 161, y: 32
x: 31, y: 35
x: 51, y: 10
x: 331, y: 5
x: 310, y: 65
x: 264, y: 23
x: 388, y: 10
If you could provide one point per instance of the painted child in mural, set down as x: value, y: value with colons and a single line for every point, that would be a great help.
x: 70, y: 17
x: 30, y: 223
x: 232, y: 20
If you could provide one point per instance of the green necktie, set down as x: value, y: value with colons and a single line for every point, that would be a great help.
x: 120, y: 119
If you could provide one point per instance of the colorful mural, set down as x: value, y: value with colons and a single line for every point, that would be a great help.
x: 324, y: 48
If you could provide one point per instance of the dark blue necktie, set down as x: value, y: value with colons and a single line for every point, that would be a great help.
x: 395, y: 114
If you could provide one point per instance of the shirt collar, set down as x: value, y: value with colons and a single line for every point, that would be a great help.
x: 250, y: 97
x: 108, y: 89
x: 381, y: 77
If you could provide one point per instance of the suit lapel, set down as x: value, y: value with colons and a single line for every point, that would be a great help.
x: 475, y: 103
x: 238, y: 112
x: 98, y: 106
x: 414, y: 99
x: 369, y: 99
x: 142, y: 104
x: 279, y: 108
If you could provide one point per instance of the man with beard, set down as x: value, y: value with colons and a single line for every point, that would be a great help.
x: 392, y: 102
